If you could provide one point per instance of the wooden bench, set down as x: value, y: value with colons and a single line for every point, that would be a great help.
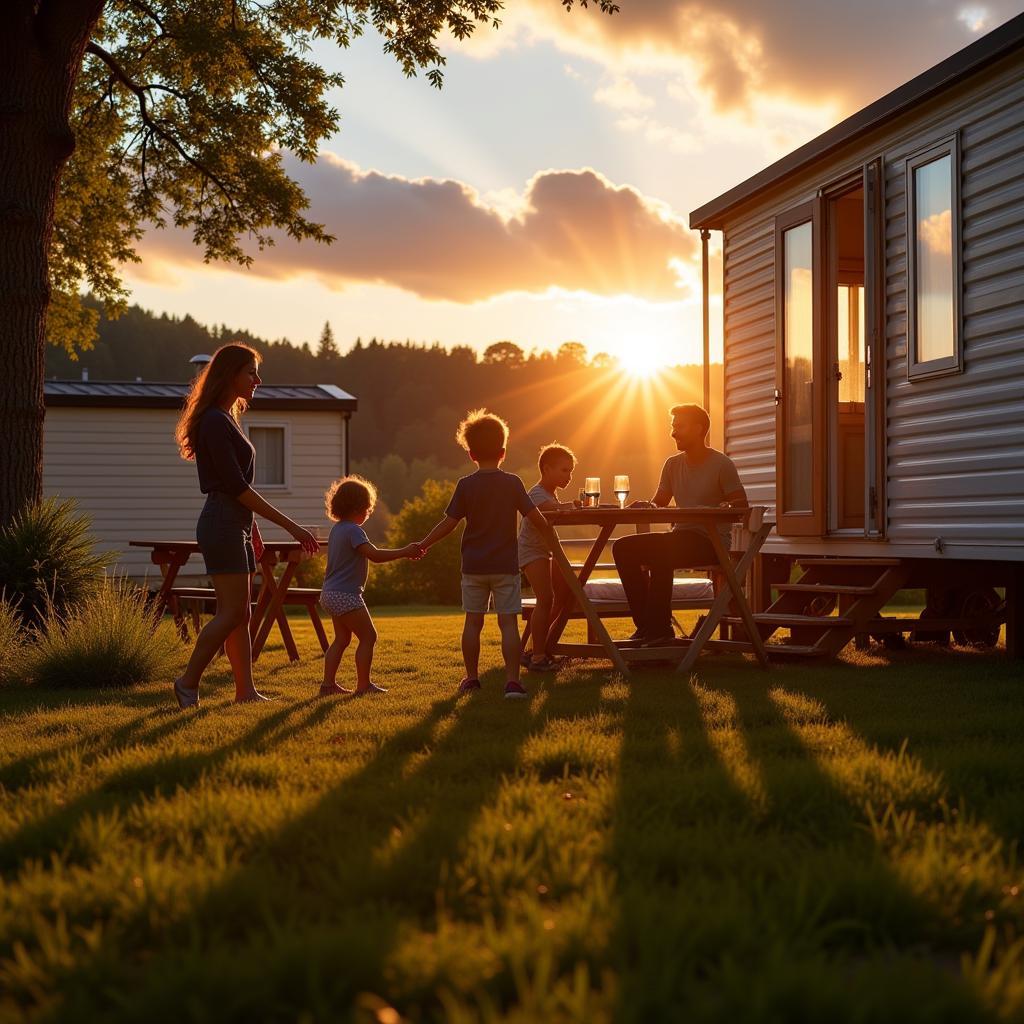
x: 687, y: 593
x: 190, y: 602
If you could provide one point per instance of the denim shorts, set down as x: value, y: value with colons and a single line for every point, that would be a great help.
x: 504, y: 588
x: 224, y: 533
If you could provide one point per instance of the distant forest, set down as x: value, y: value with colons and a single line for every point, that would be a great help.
x: 412, y: 396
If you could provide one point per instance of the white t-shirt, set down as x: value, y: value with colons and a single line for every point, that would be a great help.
x: 701, y: 484
x: 531, y: 543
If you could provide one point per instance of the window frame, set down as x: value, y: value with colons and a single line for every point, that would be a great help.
x: 926, y: 369
x: 809, y: 523
x: 285, y: 426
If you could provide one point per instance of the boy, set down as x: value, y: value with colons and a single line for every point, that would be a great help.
x: 488, y: 500
x: 555, y: 464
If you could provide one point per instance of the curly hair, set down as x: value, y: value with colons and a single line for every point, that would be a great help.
x: 349, y: 494
x: 207, y: 390
x: 483, y: 434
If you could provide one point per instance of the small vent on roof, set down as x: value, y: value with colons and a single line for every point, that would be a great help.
x: 85, y: 373
x: 200, y: 360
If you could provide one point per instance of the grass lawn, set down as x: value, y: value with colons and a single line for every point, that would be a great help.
x: 826, y: 844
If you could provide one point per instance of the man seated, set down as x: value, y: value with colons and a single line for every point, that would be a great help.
x: 697, y: 476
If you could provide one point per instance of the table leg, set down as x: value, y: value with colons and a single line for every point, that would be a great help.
x: 576, y: 588
x: 267, y: 563
x: 274, y: 613
x: 586, y: 569
x: 733, y: 588
x: 169, y: 562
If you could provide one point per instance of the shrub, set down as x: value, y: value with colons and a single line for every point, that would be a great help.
x: 47, y: 559
x: 112, y: 639
x: 310, y: 571
x: 435, y: 579
x: 12, y: 643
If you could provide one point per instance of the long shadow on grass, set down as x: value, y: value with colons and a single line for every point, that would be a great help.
x: 749, y: 888
x: 671, y: 787
x: 123, y: 789
x: 838, y: 935
x: 342, y: 880
x: 961, y: 713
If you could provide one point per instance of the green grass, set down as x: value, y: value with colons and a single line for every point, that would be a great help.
x: 829, y: 843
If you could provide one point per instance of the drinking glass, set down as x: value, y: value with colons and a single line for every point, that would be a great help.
x: 592, y: 489
x: 621, y: 489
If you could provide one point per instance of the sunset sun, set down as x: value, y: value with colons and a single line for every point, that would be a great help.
x: 644, y: 358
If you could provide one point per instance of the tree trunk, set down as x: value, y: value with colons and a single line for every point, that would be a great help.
x: 41, y: 49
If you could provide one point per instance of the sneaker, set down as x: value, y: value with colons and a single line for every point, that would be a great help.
x: 469, y: 685
x: 186, y: 698
x: 638, y: 635
x: 546, y: 664
x: 514, y: 691
x: 661, y: 639
x: 524, y: 658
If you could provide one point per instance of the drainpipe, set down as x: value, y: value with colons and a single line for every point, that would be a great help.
x: 705, y: 234
x: 348, y: 429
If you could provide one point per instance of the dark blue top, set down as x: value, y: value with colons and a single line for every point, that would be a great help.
x: 225, y: 458
x: 488, y: 501
x: 346, y: 568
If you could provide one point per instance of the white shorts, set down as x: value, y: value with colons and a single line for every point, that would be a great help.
x: 479, y: 588
x: 339, y: 602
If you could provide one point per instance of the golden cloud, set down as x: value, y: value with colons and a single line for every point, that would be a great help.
x: 740, y: 49
x: 572, y: 229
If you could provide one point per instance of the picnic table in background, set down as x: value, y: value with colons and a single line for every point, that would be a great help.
x: 729, y: 592
x: 271, y: 598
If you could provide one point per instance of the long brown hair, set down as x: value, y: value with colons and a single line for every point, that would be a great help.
x: 207, y: 390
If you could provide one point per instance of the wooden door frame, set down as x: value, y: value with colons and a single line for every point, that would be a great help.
x: 812, y: 523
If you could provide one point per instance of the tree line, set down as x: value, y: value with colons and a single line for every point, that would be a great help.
x: 411, y: 396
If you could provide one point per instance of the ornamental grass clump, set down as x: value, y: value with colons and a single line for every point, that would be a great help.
x: 47, y: 559
x: 112, y: 640
x: 12, y: 643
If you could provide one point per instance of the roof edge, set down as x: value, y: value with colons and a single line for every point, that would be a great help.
x: 971, y: 59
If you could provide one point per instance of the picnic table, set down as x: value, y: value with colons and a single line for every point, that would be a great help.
x: 171, y: 555
x: 686, y: 650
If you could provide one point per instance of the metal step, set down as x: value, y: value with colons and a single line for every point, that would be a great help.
x: 841, y: 562
x: 782, y: 620
x: 794, y: 651
x: 826, y: 588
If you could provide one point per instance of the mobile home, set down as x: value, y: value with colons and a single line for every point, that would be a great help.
x: 110, y: 446
x: 873, y: 297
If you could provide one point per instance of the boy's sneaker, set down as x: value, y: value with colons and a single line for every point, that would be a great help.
x: 469, y: 685
x: 514, y: 691
x: 544, y: 665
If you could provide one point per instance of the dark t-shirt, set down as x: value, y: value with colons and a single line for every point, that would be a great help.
x: 488, y: 500
x: 224, y: 456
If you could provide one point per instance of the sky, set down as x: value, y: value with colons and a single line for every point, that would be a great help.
x: 542, y: 195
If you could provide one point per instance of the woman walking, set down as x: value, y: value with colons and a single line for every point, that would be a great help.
x: 209, y: 432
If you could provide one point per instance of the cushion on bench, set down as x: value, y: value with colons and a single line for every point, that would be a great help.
x: 684, y: 588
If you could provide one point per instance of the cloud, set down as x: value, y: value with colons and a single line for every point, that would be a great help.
x: 571, y: 229
x: 936, y: 232
x: 739, y: 50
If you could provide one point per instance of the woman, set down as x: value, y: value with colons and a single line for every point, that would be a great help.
x: 208, y: 432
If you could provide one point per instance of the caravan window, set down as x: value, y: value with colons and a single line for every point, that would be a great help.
x: 271, y: 444
x: 933, y: 261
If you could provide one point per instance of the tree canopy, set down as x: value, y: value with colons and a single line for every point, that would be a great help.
x: 121, y: 114
x: 183, y: 110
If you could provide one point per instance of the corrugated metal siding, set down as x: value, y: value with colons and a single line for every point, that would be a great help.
x: 955, y: 444
x: 144, y: 491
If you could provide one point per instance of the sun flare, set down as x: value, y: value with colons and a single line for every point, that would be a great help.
x: 642, y: 361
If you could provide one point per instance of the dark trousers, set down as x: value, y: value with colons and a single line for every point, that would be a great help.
x: 645, y: 562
